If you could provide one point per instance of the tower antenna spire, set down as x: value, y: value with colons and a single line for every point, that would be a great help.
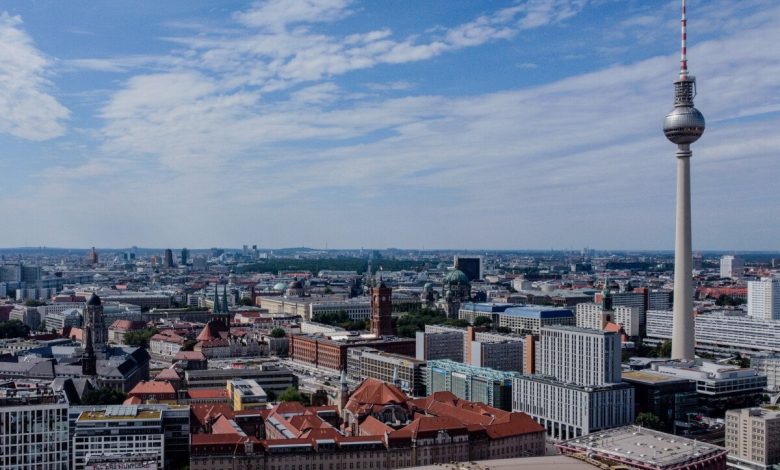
x: 683, y: 42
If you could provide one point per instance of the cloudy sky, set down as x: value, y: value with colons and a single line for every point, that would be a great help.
x: 404, y: 123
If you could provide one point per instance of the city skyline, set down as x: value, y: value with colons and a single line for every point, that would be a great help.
x: 538, y: 120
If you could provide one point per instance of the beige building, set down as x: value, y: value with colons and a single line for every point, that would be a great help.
x: 753, y: 438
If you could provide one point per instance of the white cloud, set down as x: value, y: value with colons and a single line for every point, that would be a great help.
x: 27, y: 110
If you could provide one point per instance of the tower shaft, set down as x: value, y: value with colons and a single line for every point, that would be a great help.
x: 682, y: 325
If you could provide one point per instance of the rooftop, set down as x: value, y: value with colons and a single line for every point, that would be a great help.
x: 120, y: 413
x: 649, y: 377
x: 634, y: 443
x: 538, y: 312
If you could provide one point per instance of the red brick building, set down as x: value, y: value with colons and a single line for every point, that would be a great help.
x: 322, y: 351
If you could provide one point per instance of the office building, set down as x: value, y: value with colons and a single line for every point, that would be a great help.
x: 732, y: 267
x: 330, y: 352
x: 530, y: 319
x: 764, y: 298
x: 406, y: 373
x: 184, y: 256
x: 430, y: 345
x: 659, y: 299
x: 671, y: 399
x: 33, y: 429
x: 721, y: 332
x: 753, y: 438
x: 579, y: 355
x: 471, y: 266
x: 470, y: 311
x: 271, y: 377
x: 67, y: 318
x: 471, y: 383
x: 495, y: 351
x: 634, y: 447
x: 168, y: 258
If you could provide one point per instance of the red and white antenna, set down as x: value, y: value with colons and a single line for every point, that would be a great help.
x: 684, y: 42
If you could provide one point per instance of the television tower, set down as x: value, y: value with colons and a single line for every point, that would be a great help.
x: 683, y: 126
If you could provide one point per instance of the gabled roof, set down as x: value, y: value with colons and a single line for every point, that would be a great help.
x: 373, y: 392
x: 152, y: 388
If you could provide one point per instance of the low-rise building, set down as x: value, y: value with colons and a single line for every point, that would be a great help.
x: 246, y: 394
x: 753, y: 438
x: 530, y: 319
x: 405, y: 372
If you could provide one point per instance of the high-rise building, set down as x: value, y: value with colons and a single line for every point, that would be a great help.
x: 579, y: 355
x: 168, y: 258
x: 92, y: 257
x: 683, y: 126
x: 185, y: 256
x: 472, y: 266
x: 764, y: 298
x: 33, y: 430
x: 753, y: 438
x: 731, y: 267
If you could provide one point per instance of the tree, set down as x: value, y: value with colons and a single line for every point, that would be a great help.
x: 140, y: 339
x: 13, y: 329
x: 503, y: 329
x: 648, y: 420
x: 480, y: 321
x: 188, y: 345
x: 277, y: 333
x: 665, y: 349
x: 34, y: 303
x: 293, y: 394
x: 103, y: 396
x: 246, y: 302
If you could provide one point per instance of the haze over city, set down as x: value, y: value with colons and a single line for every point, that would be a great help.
x: 450, y: 124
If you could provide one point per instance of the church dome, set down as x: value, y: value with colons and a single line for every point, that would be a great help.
x: 280, y: 286
x: 456, y: 277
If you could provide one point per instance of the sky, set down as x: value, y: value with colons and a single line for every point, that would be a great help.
x: 495, y: 124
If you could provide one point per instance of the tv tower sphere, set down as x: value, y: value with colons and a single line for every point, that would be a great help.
x: 684, y: 125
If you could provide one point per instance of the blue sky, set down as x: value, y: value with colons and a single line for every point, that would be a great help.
x: 441, y: 123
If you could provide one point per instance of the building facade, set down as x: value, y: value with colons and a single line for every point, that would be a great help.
x: 764, y: 299
x: 481, y: 384
x: 753, y: 438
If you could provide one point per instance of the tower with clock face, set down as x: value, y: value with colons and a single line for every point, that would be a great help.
x: 381, y: 310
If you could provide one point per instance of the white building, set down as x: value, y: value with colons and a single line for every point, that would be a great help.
x: 59, y: 320
x: 33, y: 436
x: 579, y: 355
x: 768, y: 365
x: 721, y: 332
x: 753, y: 438
x: 592, y: 316
x: 118, y: 430
x: 568, y: 410
x: 764, y: 299
x: 731, y: 267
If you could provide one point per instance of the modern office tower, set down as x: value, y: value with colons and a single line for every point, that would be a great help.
x: 731, y: 267
x: 472, y: 383
x: 683, y: 126
x: 33, y: 430
x: 753, y: 438
x: 168, y: 258
x: 185, y: 256
x: 472, y: 266
x: 118, y: 431
x: 579, y: 355
x: 764, y: 298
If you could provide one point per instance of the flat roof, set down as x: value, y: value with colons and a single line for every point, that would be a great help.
x: 650, y: 377
x: 527, y: 463
x: 538, y: 312
x: 101, y: 415
x: 643, y: 445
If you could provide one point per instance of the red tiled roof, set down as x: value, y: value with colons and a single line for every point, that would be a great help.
x: 373, y: 392
x: 223, y: 425
x: 373, y: 427
x: 127, y: 325
x: 189, y: 356
x: 212, y: 330
x: 215, y: 392
x: 167, y: 374
x: 152, y: 388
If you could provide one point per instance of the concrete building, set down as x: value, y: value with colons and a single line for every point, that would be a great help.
x: 732, y: 267
x: 33, y: 429
x: 271, y: 377
x: 592, y: 316
x: 634, y: 447
x: 470, y: 311
x: 669, y: 398
x: 753, y: 438
x: 471, y: 383
x: 330, y: 352
x: 579, y: 355
x: 117, y: 431
x: 59, y: 320
x: 530, y: 319
x: 497, y: 352
x: 431, y: 345
x: 721, y: 332
x: 568, y: 410
x: 768, y: 365
x: 764, y: 299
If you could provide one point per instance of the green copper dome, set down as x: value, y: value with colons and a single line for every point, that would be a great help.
x: 456, y: 276
x: 280, y: 286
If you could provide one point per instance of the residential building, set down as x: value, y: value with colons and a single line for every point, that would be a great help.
x: 768, y: 365
x: 406, y: 373
x: 430, y: 345
x: 764, y: 298
x: 579, y: 355
x: 753, y: 438
x: 59, y: 320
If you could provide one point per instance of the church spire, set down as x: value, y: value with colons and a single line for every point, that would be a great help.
x: 225, y: 308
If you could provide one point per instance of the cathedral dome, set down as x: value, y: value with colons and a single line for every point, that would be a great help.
x: 280, y: 286
x: 456, y: 277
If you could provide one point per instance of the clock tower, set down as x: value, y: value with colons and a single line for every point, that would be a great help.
x: 381, y: 310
